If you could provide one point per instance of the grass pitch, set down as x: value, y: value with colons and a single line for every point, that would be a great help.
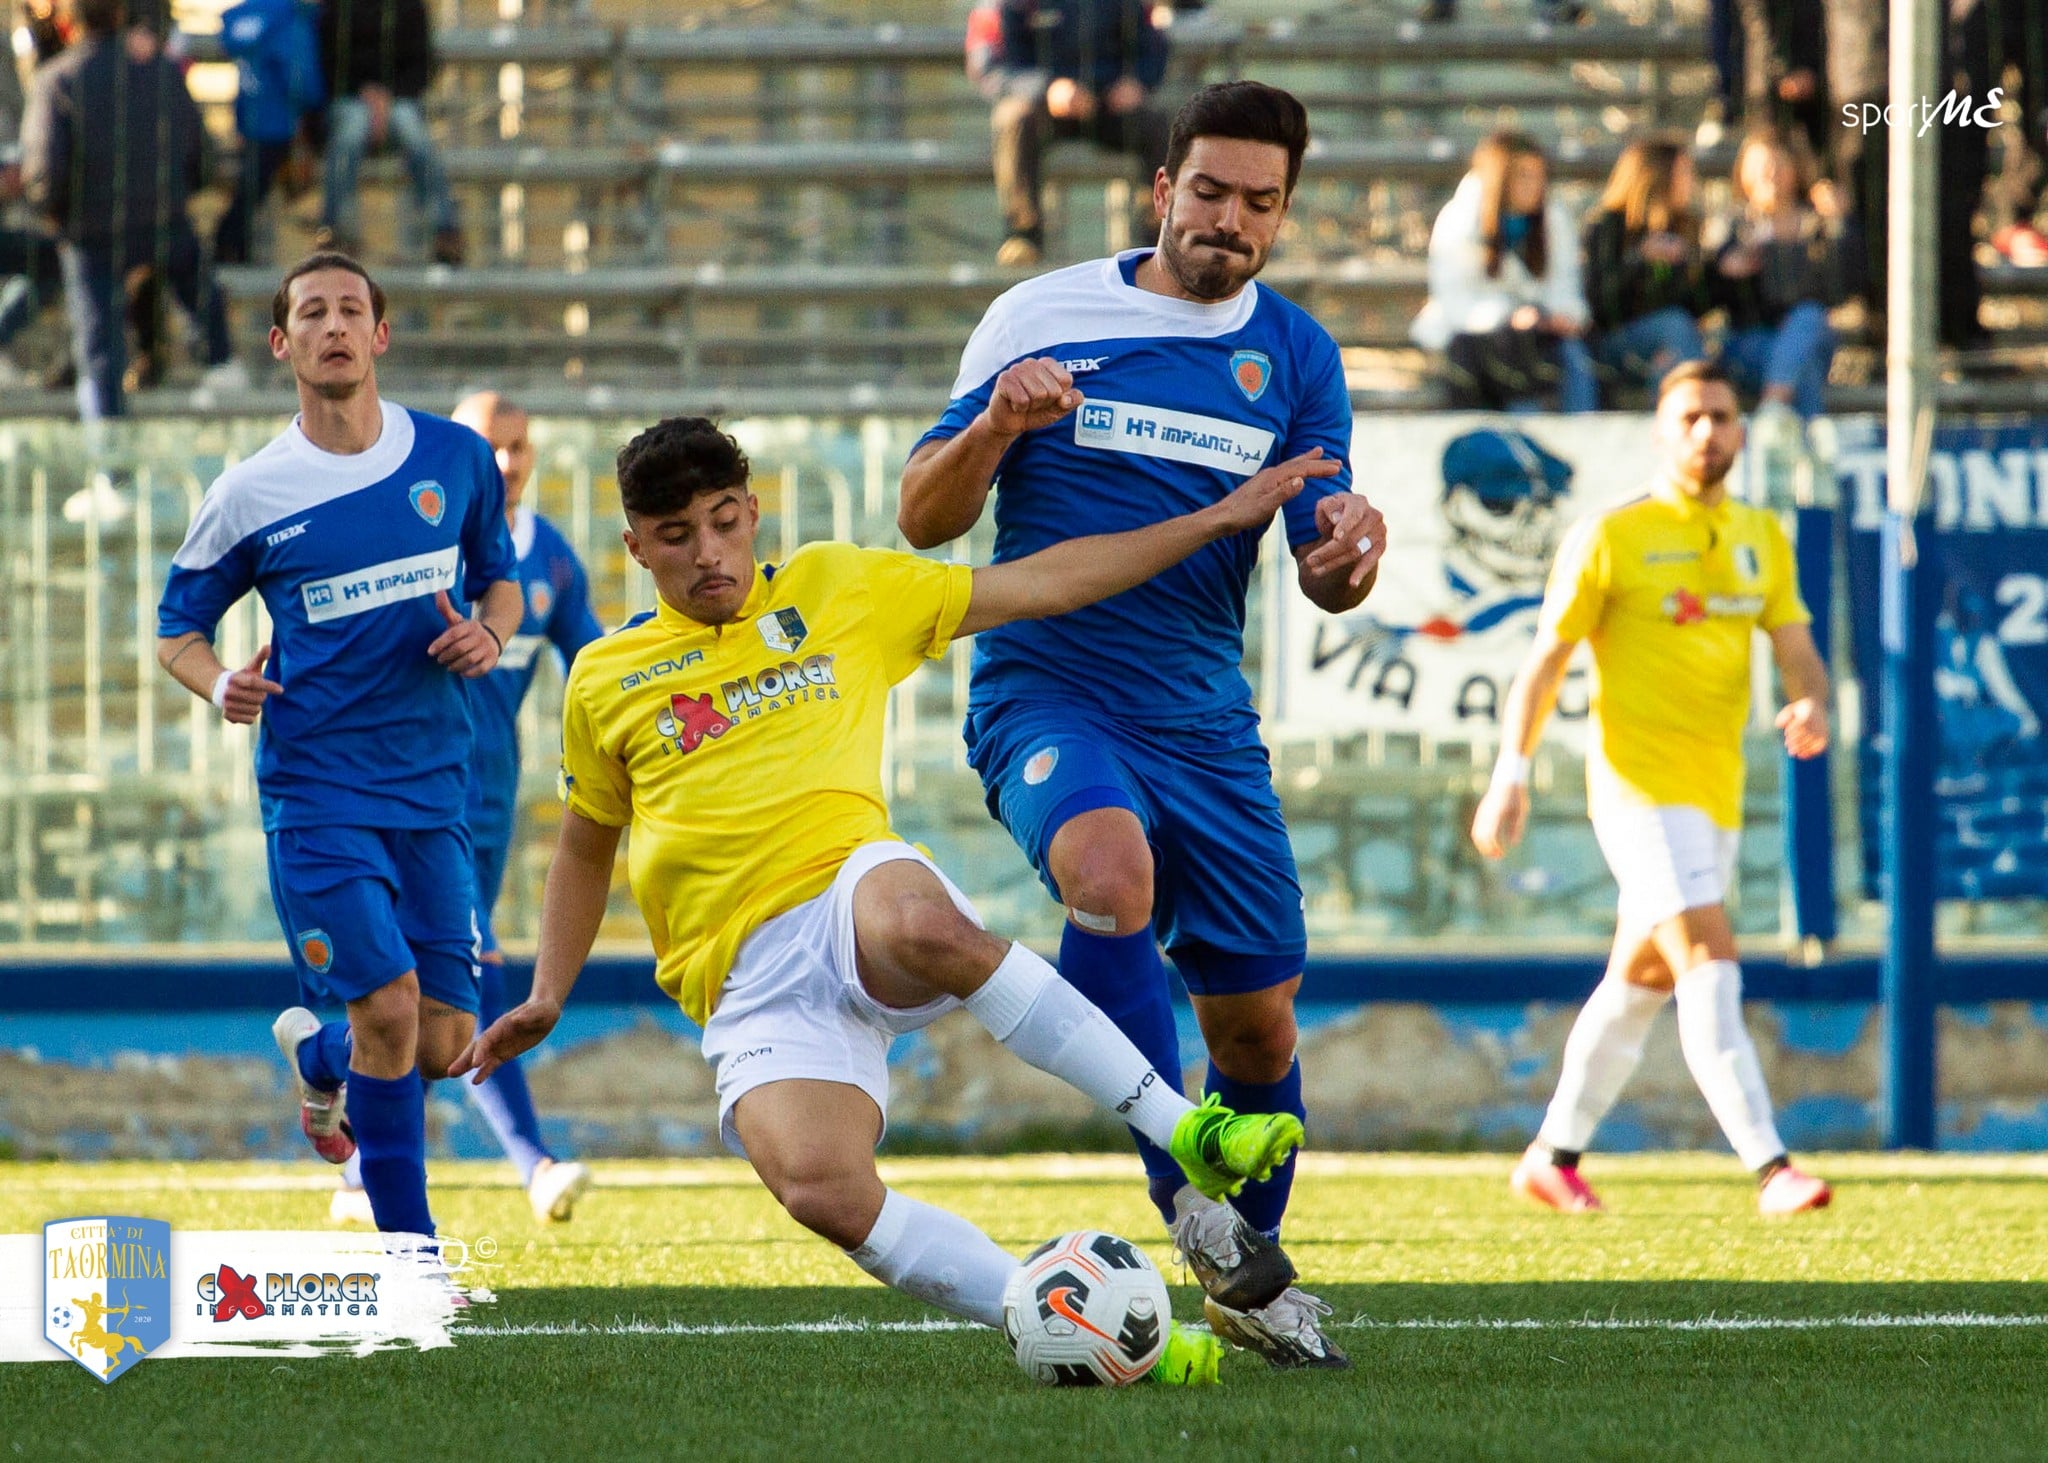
x: 681, y: 1315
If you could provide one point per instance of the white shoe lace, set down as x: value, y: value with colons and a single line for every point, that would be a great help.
x: 1297, y: 1316
x: 1209, y: 1230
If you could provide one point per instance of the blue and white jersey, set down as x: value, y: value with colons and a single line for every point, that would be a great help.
x: 348, y: 553
x: 1182, y: 401
x: 558, y: 613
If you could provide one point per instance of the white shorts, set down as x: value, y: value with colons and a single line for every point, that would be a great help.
x: 1666, y: 860
x: 793, y: 1008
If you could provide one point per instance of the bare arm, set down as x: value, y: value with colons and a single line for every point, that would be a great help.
x: 1082, y: 571
x: 1804, y: 719
x: 572, y: 909
x: 1497, y: 825
x: 1339, y: 569
x: 946, y: 484
x: 192, y: 663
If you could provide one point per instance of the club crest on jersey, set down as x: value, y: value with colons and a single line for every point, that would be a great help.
x: 783, y: 629
x: 428, y: 500
x: 316, y: 950
x: 1252, y: 371
x: 687, y: 720
x: 540, y: 595
x: 1745, y: 561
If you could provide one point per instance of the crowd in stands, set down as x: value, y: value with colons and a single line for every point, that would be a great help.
x: 1527, y: 304
x: 101, y: 159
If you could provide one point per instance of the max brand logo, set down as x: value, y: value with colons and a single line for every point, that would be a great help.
x: 1080, y: 365
x: 271, y: 541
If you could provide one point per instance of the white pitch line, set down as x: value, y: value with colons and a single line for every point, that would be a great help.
x: 839, y: 1325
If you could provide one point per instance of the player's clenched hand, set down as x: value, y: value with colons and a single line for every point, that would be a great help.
x: 513, y: 1034
x: 1256, y: 500
x: 1354, y: 535
x: 1497, y: 826
x: 246, y: 690
x: 1805, y: 725
x: 1031, y: 394
x: 465, y: 647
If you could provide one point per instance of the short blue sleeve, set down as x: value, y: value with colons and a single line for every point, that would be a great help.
x: 487, y: 552
x: 573, y: 625
x: 196, y: 596
x: 1321, y: 419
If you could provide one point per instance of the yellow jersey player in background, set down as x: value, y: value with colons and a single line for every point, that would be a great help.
x: 737, y: 729
x: 1668, y: 591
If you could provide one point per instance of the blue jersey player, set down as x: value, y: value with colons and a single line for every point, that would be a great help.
x: 557, y: 613
x: 1119, y: 745
x: 360, y: 527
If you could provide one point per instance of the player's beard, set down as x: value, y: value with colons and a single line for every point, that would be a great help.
x: 336, y: 389
x: 1211, y: 276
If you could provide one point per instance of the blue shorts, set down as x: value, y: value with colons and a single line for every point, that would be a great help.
x: 362, y: 906
x: 1226, y: 900
x: 489, y: 861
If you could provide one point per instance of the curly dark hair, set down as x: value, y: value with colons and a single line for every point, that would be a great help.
x: 1249, y: 111
x: 673, y: 461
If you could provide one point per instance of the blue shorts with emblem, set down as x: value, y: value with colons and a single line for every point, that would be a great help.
x: 1226, y: 900
x: 362, y: 906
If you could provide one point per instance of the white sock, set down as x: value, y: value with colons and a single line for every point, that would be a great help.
x: 938, y: 1257
x: 1603, y: 1049
x: 1029, y: 1009
x: 1723, y: 1060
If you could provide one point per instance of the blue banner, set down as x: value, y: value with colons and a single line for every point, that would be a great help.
x: 1988, y: 491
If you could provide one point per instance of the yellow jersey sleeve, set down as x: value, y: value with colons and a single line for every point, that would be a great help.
x: 594, y: 780
x: 914, y: 606
x: 1782, y: 602
x: 1575, y: 600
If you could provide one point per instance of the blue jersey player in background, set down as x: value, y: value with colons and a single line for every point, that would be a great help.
x: 360, y: 527
x: 557, y: 613
x: 1119, y: 744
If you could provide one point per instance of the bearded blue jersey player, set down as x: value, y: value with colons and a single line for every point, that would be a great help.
x: 361, y: 527
x: 558, y: 614
x: 1119, y: 744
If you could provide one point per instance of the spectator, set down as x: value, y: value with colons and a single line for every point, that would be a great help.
x: 1646, y: 282
x: 1724, y: 44
x: 1504, y: 298
x: 1072, y: 68
x: 276, y: 49
x: 2019, y: 39
x: 1777, y: 274
x: 379, y: 58
x: 28, y: 255
x: 112, y: 149
x: 1784, y: 47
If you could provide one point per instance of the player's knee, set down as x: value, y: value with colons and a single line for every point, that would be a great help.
x: 922, y: 931
x: 840, y: 1207
x: 1110, y: 883
x: 1259, y: 1048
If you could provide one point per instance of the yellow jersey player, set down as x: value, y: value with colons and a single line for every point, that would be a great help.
x: 737, y: 729
x: 1667, y: 590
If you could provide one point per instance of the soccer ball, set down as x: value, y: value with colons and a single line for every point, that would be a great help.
x: 1086, y: 1310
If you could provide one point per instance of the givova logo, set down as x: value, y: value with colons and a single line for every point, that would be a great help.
x: 107, y: 1290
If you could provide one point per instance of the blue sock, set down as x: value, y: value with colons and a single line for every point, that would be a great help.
x: 1262, y: 1204
x: 504, y: 1101
x: 389, y: 1116
x: 1125, y: 978
x: 323, y: 1056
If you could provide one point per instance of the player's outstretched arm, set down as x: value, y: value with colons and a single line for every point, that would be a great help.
x: 945, y: 484
x: 239, y: 694
x: 1497, y: 825
x: 1804, y: 719
x: 1081, y: 571
x: 579, y: 885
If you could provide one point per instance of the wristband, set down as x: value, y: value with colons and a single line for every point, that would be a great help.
x: 220, y: 689
x: 1511, y: 770
x: 495, y: 637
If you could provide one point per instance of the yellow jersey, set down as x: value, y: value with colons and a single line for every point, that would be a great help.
x: 1667, y: 593
x: 747, y: 757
